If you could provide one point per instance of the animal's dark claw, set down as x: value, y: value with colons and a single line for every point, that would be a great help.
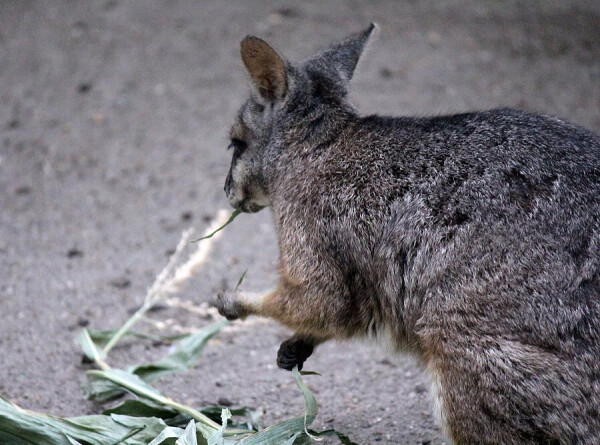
x: 294, y: 351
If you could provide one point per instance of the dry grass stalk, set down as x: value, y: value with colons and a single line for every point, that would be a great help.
x: 170, y: 279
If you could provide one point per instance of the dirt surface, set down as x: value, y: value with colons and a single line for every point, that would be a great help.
x: 113, y: 128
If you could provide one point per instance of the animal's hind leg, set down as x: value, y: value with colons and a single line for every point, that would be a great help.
x: 501, y: 392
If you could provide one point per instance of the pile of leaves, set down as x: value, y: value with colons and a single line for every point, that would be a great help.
x: 142, y: 415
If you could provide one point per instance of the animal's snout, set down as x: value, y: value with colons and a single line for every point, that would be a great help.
x: 228, y: 184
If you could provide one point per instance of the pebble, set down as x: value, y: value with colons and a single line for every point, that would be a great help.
x: 74, y: 253
x: 121, y: 282
x: 223, y: 401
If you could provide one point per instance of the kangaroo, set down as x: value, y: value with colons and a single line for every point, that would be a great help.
x: 470, y: 241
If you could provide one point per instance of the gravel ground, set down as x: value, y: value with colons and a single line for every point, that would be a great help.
x: 113, y: 127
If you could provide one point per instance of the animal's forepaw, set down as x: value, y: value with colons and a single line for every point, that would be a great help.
x: 294, y: 352
x: 228, y: 304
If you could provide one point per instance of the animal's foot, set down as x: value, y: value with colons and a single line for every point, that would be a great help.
x: 294, y: 351
x: 229, y: 305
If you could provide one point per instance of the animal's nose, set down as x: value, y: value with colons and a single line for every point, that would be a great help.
x: 228, y: 182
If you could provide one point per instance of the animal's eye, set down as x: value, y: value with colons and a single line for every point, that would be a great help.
x: 238, y: 145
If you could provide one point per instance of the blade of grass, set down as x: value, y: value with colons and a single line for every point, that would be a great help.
x: 184, y: 355
x: 239, y: 283
x: 90, y: 350
x: 170, y: 279
x: 233, y: 216
x: 153, y: 296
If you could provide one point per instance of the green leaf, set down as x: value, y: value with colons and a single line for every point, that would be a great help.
x: 292, y: 439
x: 217, y: 436
x: 345, y: 440
x: 229, y: 221
x: 310, y: 403
x: 309, y: 373
x: 166, y: 435
x: 140, y: 388
x: 184, y: 355
x: 142, y: 408
x: 285, y: 430
x: 22, y: 427
x: 100, y: 390
x: 89, y: 347
x: 178, y: 436
x: 189, y: 435
x: 129, y: 435
x: 127, y: 381
x: 101, y: 338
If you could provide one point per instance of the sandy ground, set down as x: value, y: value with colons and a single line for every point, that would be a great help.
x: 113, y: 127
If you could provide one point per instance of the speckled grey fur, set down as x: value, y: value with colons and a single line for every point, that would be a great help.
x: 471, y: 241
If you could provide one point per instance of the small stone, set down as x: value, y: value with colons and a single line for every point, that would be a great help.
x: 78, y: 29
x: 121, y: 282
x: 23, y: 190
x: 224, y: 402
x: 386, y: 73
x: 74, y: 253
x: 84, y: 88
x: 288, y: 12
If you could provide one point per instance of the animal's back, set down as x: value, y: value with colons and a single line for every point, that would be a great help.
x: 509, y: 238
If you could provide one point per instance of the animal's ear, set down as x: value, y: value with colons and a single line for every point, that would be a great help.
x: 343, y: 57
x: 266, y: 67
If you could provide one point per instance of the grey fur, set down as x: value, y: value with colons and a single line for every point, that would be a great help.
x: 471, y: 241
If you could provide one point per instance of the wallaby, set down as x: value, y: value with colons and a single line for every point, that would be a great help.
x: 471, y: 241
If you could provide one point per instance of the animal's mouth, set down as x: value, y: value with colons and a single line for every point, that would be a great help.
x: 246, y: 206
x: 250, y: 207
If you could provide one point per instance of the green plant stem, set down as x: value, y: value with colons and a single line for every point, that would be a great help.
x: 129, y: 323
x: 166, y: 401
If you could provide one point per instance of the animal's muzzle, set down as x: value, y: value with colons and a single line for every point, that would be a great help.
x: 228, y: 183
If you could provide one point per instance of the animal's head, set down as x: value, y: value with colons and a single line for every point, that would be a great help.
x: 286, y: 99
